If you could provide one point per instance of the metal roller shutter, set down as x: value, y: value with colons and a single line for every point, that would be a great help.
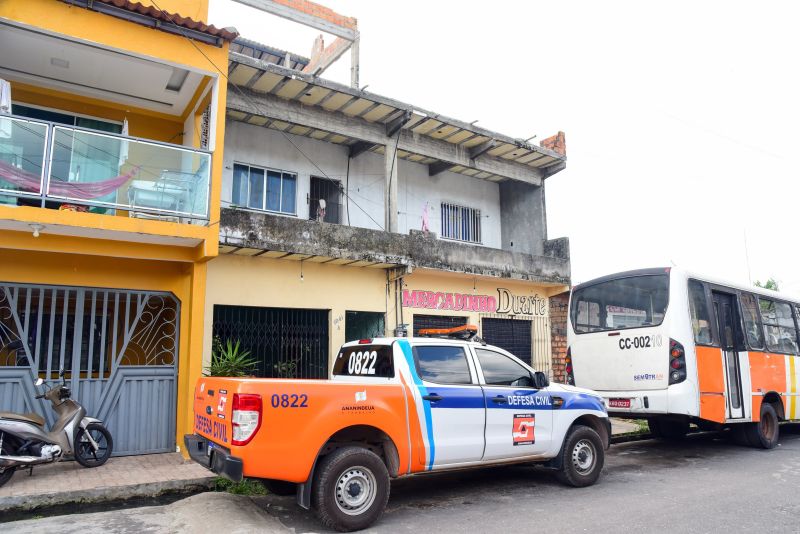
x: 513, y: 335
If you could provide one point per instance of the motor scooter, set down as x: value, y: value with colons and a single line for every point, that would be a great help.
x: 24, y: 441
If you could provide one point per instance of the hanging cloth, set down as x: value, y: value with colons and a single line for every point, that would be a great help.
x: 123, y: 150
x: 76, y: 190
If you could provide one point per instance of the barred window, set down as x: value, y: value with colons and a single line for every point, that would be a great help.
x: 461, y: 223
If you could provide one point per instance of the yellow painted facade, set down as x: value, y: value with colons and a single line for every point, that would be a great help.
x: 123, y: 252
x: 275, y: 283
x: 242, y: 280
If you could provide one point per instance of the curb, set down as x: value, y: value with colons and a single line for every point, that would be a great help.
x: 33, y: 502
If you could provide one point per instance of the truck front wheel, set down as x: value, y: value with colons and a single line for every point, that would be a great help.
x: 351, y: 489
x: 582, y: 457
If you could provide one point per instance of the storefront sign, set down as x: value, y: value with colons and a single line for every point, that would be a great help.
x: 506, y: 302
x: 436, y: 300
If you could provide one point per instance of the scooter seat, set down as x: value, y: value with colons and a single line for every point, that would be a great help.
x: 34, y: 418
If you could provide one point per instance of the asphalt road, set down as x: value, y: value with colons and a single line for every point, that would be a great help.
x: 705, y: 484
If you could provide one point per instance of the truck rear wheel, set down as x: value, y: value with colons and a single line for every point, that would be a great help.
x: 351, y: 489
x: 582, y: 457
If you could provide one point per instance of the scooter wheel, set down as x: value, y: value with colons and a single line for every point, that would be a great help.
x: 8, y: 472
x: 84, y: 451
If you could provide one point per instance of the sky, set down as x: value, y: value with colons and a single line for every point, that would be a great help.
x: 680, y: 117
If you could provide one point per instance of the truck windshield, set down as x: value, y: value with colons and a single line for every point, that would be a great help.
x: 629, y: 302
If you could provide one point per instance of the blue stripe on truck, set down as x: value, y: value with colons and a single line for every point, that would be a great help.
x: 426, y: 406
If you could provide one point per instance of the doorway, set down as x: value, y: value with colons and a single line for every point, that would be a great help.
x: 731, y: 340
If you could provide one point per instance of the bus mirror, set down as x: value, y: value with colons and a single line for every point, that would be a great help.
x: 540, y: 380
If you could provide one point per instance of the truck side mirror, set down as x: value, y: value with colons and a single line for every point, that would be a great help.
x: 540, y: 380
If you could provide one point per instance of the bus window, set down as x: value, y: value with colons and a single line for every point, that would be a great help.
x: 755, y: 338
x: 779, y: 327
x: 629, y: 302
x: 701, y: 325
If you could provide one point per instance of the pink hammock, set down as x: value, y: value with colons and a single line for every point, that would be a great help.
x: 79, y: 190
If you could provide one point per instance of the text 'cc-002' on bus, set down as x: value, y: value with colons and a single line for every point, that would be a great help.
x: 676, y: 349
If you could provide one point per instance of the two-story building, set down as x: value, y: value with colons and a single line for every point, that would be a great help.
x: 347, y: 214
x: 111, y: 161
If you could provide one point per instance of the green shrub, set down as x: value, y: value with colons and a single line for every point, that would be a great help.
x: 229, y: 359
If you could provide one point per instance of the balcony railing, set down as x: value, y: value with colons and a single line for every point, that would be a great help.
x: 49, y: 165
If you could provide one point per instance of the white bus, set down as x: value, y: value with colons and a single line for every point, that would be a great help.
x: 676, y: 348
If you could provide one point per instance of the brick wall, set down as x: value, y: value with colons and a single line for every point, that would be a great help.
x: 558, y: 334
x: 556, y: 143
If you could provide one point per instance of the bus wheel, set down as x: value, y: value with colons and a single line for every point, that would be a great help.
x: 669, y: 429
x: 764, y: 434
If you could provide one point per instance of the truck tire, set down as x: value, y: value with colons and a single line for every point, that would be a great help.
x: 582, y: 457
x: 280, y: 487
x: 351, y: 489
x: 668, y: 429
x: 766, y: 432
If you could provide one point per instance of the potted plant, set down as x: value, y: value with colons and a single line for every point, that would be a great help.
x: 228, y: 359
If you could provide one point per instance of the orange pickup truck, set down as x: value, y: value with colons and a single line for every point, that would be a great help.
x: 394, y: 407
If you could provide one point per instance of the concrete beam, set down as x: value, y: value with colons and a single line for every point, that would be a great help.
x: 273, y: 107
x: 323, y: 58
x: 359, y: 148
x: 482, y: 148
x: 309, y: 14
x: 553, y: 169
x: 394, y: 125
x: 438, y: 168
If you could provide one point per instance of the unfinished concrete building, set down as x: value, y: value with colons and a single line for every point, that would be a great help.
x: 347, y: 214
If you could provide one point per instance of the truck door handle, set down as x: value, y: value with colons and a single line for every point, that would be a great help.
x: 500, y: 400
x: 433, y: 397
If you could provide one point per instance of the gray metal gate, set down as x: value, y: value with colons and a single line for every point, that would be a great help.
x: 118, y: 348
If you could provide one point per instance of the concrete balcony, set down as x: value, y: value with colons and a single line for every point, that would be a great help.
x: 263, y: 234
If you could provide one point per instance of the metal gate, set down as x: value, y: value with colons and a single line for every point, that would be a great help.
x: 513, y: 335
x: 118, y: 350
x: 285, y: 342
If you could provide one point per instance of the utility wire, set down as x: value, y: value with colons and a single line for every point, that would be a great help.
x: 256, y: 106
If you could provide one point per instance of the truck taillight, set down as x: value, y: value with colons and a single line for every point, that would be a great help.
x: 568, y: 367
x: 677, y: 362
x: 245, y: 417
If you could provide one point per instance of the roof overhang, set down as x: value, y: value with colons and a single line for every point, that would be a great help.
x: 284, y: 99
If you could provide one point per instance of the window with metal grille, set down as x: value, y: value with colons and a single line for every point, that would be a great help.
x: 330, y: 192
x: 264, y: 189
x: 285, y: 342
x: 461, y: 223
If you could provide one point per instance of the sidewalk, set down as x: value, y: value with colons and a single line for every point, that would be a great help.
x: 622, y: 426
x: 125, y: 477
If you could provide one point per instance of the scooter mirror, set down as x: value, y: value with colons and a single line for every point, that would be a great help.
x: 39, y: 381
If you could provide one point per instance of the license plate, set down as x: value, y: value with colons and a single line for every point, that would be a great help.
x: 619, y: 403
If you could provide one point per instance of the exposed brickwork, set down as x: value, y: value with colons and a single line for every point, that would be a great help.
x: 311, y: 8
x: 556, y: 143
x: 558, y: 334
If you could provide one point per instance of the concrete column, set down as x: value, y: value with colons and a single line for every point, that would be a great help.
x: 354, y: 60
x: 390, y: 189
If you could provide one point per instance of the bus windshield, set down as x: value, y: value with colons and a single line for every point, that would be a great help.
x: 629, y: 302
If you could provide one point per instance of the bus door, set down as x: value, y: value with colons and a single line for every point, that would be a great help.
x: 731, y: 341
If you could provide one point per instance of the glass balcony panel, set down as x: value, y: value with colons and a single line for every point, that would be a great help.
x: 22, y: 156
x: 110, y: 172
